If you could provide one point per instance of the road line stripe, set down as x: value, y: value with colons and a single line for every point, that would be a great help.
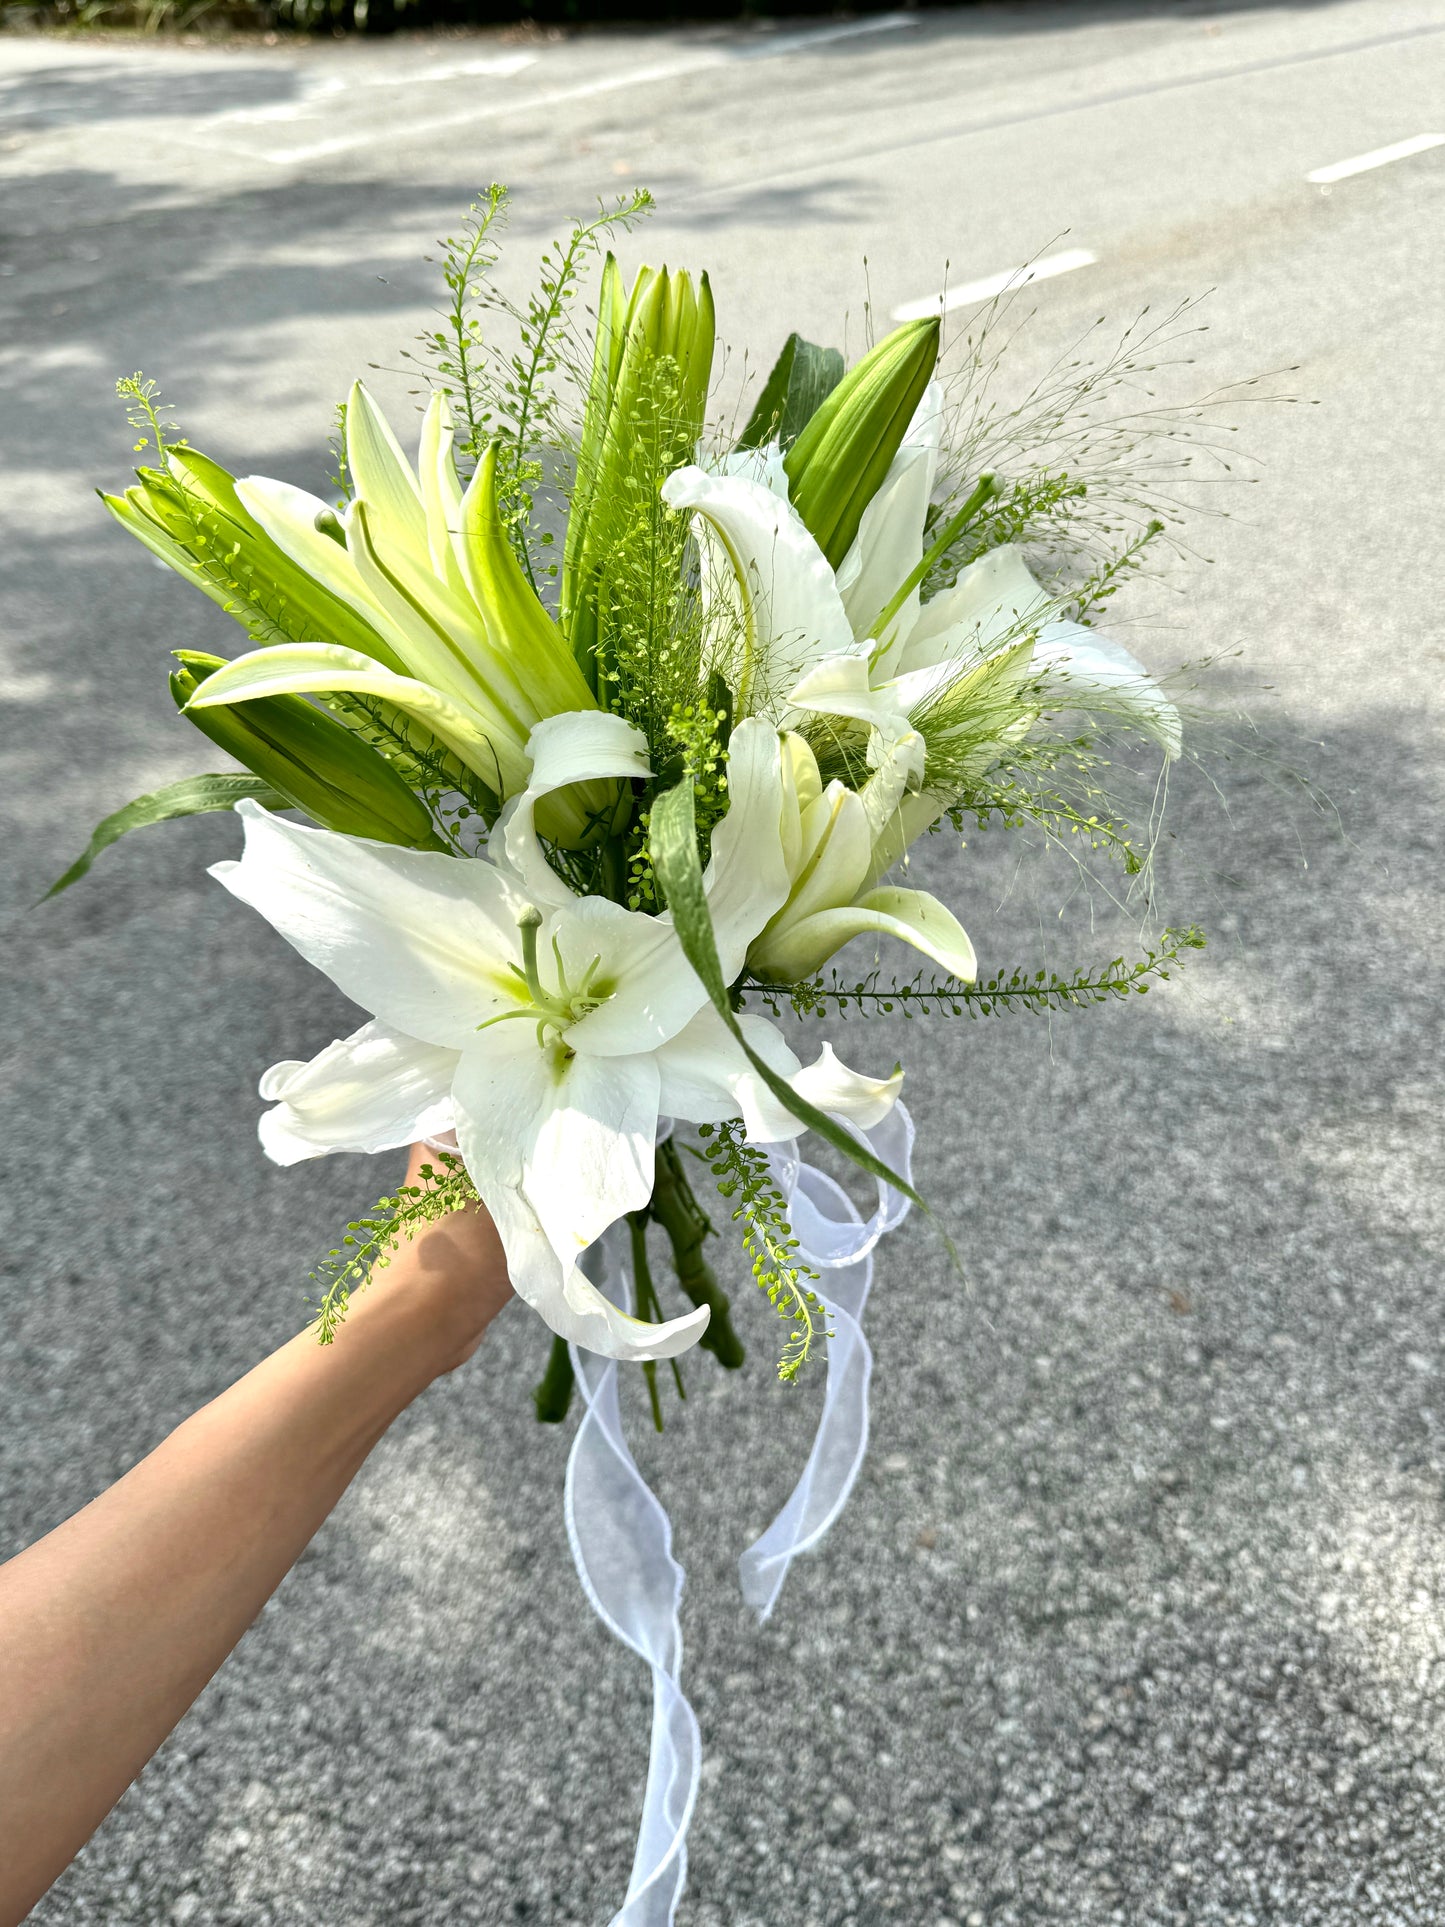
x: 1377, y: 157
x: 1036, y: 116
x: 587, y: 90
x: 972, y: 292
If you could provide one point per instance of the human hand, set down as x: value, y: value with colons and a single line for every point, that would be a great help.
x: 454, y: 1273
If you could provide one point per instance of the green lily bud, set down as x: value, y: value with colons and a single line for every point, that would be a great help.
x: 190, y: 515
x: 529, y: 641
x: 651, y: 367
x: 313, y: 761
x: 838, y: 462
x: 518, y: 625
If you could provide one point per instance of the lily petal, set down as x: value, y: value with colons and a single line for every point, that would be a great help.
x: 556, y: 1161
x: 746, y: 878
x: 800, y: 950
x: 994, y: 599
x: 778, y: 607
x: 930, y: 926
x: 441, y: 491
x: 706, y: 1078
x: 583, y: 744
x: 764, y: 465
x: 288, y: 515
x: 1085, y: 670
x: 485, y: 743
x: 889, y: 542
x: 833, y: 1087
x: 898, y: 760
x: 384, y: 478
x: 524, y: 640
x: 801, y: 786
x: 651, y: 989
x: 910, y: 819
x: 843, y: 686
x: 441, y: 636
x: 579, y: 747
x: 372, y: 1091
x: 424, y: 941
x: 836, y: 845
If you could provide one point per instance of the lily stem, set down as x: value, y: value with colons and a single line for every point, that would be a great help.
x: 985, y: 488
x: 683, y: 1219
x: 647, y: 1305
x: 554, y: 1394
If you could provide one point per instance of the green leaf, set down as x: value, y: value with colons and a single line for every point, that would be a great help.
x: 803, y: 377
x: 190, y: 797
x: 678, y: 870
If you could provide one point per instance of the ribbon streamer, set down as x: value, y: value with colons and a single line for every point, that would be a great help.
x: 621, y: 1537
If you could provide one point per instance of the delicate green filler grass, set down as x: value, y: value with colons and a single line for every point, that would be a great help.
x: 741, y: 1171
x: 1038, y: 991
x: 373, y: 1241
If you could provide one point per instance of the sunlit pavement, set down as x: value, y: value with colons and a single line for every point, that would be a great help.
x: 1136, y: 1616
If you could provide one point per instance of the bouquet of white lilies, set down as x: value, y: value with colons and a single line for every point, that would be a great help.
x: 577, y: 745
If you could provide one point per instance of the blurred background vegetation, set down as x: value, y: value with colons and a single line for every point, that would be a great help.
x: 373, y: 16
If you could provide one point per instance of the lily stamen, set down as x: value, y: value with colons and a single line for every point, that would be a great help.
x: 552, y: 1010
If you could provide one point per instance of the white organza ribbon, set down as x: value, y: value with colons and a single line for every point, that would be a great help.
x: 621, y: 1541
x: 621, y: 1537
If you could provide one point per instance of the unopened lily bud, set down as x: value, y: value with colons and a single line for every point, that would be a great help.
x: 838, y: 462
x: 651, y: 367
x: 312, y: 760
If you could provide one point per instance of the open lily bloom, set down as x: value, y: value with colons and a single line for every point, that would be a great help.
x: 798, y: 637
x: 550, y: 1031
x: 467, y: 647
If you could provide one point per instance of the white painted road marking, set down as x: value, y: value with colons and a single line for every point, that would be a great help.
x: 972, y: 292
x: 1377, y: 157
x: 317, y: 89
x: 769, y: 49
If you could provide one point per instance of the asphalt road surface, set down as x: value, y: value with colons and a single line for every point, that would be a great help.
x: 1136, y: 1615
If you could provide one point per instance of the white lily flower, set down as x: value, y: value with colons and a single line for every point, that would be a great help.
x: 831, y: 839
x: 793, y: 636
x: 550, y: 1031
x: 471, y: 652
x: 994, y: 602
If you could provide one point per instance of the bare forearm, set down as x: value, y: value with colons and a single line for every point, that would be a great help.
x: 111, y: 1625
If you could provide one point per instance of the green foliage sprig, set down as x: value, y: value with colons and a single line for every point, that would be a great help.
x: 1111, y: 575
x: 457, y: 349
x: 451, y: 791
x: 259, y: 607
x: 511, y: 397
x: 146, y: 412
x: 695, y: 737
x: 741, y: 1171
x: 1029, y: 508
x: 1007, y: 803
x: 372, y: 1241
x: 1038, y: 991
